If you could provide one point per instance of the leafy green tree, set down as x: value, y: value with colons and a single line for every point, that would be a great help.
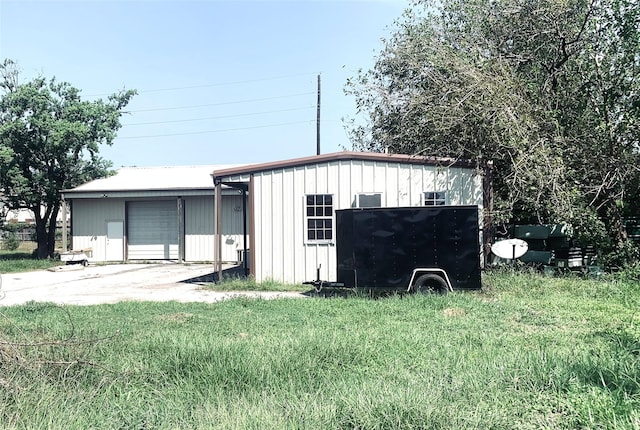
x: 49, y: 141
x: 548, y: 89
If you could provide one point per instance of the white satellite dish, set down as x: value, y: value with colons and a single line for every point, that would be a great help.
x: 510, y: 249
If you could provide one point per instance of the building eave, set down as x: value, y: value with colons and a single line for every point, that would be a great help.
x: 136, y: 194
x: 341, y: 156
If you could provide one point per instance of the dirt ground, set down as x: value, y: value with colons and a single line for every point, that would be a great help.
x: 78, y: 285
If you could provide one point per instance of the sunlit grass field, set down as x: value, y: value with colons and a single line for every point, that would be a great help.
x: 528, y: 352
x: 22, y: 260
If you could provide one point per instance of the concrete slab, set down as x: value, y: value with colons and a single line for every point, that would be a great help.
x: 119, y: 282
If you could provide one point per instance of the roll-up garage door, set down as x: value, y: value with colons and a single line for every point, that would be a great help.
x: 152, y: 230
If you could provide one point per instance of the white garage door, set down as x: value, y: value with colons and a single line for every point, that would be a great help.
x: 152, y: 230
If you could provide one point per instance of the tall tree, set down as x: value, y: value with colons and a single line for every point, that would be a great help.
x: 548, y: 89
x: 49, y: 141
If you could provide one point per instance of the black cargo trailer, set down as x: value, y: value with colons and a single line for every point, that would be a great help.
x: 409, y: 248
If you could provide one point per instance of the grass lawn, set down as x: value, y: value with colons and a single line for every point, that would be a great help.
x: 528, y: 352
x: 21, y: 260
x: 240, y: 284
x: 11, y: 262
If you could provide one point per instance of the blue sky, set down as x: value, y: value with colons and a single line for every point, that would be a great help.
x: 219, y: 82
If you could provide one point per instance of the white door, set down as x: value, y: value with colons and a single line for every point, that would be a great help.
x: 115, y: 241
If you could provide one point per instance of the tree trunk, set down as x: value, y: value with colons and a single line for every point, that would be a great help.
x: 487, y: 203
x: 46, y: 231
x: 41, y: 237
x: 51, y: 234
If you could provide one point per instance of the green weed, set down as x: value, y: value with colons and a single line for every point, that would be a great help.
x: 19, y: 261
x: 527, y: 352
x: 235, y: 283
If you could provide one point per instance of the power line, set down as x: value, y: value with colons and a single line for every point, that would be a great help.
x: 218, y: 117
x: 220, y: 104
x: 215, y: 131
x: 220, y: 84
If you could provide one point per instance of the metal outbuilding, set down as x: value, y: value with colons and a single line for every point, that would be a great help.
x: 155, y: 213
x: 290, y: 205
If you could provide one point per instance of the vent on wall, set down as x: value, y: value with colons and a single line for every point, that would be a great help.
x: 369, y: 200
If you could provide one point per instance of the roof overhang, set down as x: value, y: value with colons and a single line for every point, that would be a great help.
x: 220, y: 174
x: 133, y: 194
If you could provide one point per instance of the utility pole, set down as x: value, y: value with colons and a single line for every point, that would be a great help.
x: 318, y: 121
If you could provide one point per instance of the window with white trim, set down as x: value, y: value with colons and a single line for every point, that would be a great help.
x: 369, y: 200
x: 435, y: 198
x: 319, y: 211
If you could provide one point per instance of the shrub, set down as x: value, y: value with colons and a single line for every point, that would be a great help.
x: 630, y: 273
x: 11, y: 242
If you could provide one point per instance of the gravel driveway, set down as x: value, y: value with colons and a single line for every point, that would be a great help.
x: 77, y: 285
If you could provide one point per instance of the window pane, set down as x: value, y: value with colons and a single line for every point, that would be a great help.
x: 319, y: 212
x: 435, y: 198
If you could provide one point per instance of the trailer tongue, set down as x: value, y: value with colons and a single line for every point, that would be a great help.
x: 412, y: 249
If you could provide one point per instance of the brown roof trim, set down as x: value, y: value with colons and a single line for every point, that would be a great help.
x: 343, y: 155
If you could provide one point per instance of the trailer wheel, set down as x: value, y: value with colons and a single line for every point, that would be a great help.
x: 430, y: 283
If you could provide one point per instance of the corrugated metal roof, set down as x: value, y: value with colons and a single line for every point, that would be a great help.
x: 154, y: 178
x: 343, y: 155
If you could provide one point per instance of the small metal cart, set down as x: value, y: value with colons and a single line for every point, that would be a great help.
x: 77, y: 256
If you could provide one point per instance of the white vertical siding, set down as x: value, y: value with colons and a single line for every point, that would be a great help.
x: 198, y: 228
x: 89, y: 224
x: 368, y: 175
x: 392, y: 176
x: 278, y: 260
x: 404, y: 185
x: 380, y: 183
x: 417, y: 182
x: 443, y: 183
x: 288, y: 207
x: 430, y: 183
x: 356, y: 183
x: 282, y: 251
x: 476, y: 193
x: 296, y: 223
x: 456, y: 192
x: 263, y: 222
x: 464, y: 188
x: 345, y: 182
